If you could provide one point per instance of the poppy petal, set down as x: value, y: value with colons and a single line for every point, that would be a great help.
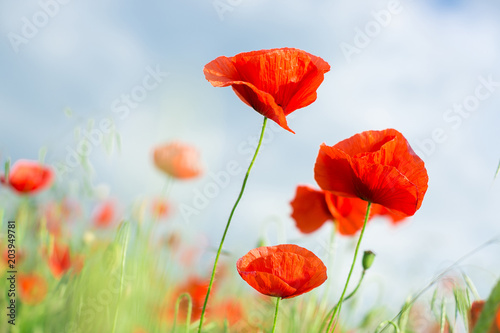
x: 273, y: 82
x: 178, y: 160
x: 28, y: 177
x: 333, y: 172
x: 268, y: 284
x: 284, y: 271
x: 261, y: 102
x: 376, y: 166
x: 349, y: 213
x: 310, y: 209
x: 386, y: 186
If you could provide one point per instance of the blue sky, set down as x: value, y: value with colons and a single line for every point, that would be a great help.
x: 407, y: 73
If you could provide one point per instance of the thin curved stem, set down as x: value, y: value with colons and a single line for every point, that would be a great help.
x: 387, y: 323
x: 336, y: 312
x: 229, y: 222
x: 494, y: 240
x: 357, y: 287
x: 276, y: 312
x: 190, y: 308
x: 351, y: 294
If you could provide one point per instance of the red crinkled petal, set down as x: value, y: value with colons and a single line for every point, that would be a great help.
x: 284, y: 271
x: 349, y: 213
x: 333, y: 172
x: 273, y: 82
x: 310, y: 210
x: 376, y: 166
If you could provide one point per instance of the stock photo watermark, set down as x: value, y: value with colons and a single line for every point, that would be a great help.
x: 363, y: 37
x: 121, y: 107
x: 103, y: 299
x: 32, y: 25
x: 224, y: 6
x: 455, y: 115
x: 203, y: 195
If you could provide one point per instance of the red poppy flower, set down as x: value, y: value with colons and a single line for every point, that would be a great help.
x: 498, y: 319
x: 59, y: 260
x: 475, y: 312
x: 28, y: 177
x: 273, y: 82
x: 230, y: 310
x: 312, y: 208
x: 32, y: 288
x: 160, y: 208
x: 104, y: 214
x: 197, y: 289
x: 376, y: 166
x: 178, y: 160
x: 282, y: 271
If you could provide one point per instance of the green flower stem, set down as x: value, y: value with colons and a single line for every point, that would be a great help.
x: 336, y: 312
x: 357, y: 287
x: 387, y: 323
x: 125, y: 228
x: 276, y: 312
x: 190, y: 308
x: 345, y: 299
x: 228, y: 223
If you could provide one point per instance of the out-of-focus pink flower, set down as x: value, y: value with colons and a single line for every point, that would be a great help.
x: 28, y: 177
x: 178, y: 160
x: 230, y: 309
x: 59, y: 214
x: 197, y: 289
x: 160, y: 208
x: 105, y: 214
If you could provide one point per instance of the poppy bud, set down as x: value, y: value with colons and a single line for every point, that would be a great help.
x: 261, y: 242
x: 368, y: 258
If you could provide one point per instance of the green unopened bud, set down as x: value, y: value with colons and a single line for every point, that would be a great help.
x: 261, y: 242
x: 368, y: 258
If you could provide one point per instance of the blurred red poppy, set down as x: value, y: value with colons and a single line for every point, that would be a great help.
x: 498, y: 319
x: 197, y: 289
x: 59, y: 214
x: 32, y: 288
x: 312, y: 208
x: 104, y: 214
x: 475, y: 312
x: 160, y: 208
x: 178, y: 160
x: 273, y: 82
x: 59, y: 260
x: 284, y: 271
x: 77, y: 263
x: 28, y: 177
x: 18, y: 255
x: 230, y: 310
x: 376, y: 166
